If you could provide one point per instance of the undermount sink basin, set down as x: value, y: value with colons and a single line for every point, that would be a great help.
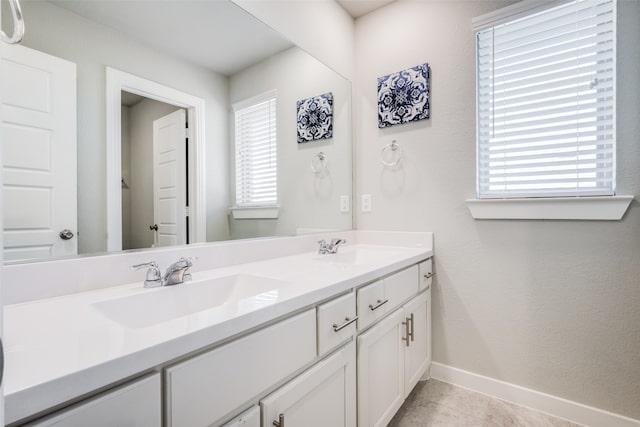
x: 358, y: 256
x: 171, y: 302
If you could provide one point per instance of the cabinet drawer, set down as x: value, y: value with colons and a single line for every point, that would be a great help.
x: 372, y: 304
x: 202, y: 390
x: 332, y: 316
x: 136, y: 404
x: 426, y: 274
x: 401, y: 286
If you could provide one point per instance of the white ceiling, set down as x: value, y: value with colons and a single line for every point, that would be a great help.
x: 357, y: 8
x: 214, y: 34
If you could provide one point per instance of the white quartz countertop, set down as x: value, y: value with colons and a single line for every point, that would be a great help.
x: 60, y: 348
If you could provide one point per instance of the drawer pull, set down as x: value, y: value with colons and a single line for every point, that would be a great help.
x: 347, y: 322
x: 379, y: 304
x: 428, y: 275
x: 280, y: 421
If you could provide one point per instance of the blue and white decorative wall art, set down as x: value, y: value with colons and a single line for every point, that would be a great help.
x: 403, y: 96
x: 315, y: 118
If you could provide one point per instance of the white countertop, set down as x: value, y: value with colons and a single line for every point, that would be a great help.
x: 61, y: 348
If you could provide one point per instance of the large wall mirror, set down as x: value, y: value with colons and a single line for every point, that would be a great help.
x: 100, y: 91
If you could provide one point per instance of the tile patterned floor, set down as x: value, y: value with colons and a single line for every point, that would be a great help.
x: 434, y: 403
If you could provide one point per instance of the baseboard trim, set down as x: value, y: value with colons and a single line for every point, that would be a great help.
x: 552, y: 405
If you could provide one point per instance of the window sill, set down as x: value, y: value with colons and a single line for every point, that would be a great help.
x: 576, y: 208
x: 270, y: 212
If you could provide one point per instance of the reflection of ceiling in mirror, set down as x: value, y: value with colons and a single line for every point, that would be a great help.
x: 357, y: 8
x: 214, y: 34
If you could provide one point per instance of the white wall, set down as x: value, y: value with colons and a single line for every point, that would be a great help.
x: 548, y: 305
x: 92, y: 47
x: 307, y: 200
x: 321, y: 27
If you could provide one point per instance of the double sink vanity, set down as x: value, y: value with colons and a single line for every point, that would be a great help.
x: 267, y: 333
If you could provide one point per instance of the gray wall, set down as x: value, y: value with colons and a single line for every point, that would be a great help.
x: 92, y: 47
x: 548, y: 305
x: 307, y: 200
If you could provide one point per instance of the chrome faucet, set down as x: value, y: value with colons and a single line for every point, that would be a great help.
x: 331, y: 247
x: 176, y: 273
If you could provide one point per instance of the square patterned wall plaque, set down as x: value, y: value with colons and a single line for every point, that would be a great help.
x: 315, y: 118
x: 403, y: 96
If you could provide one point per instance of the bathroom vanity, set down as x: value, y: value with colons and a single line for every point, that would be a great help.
x: 293, y: 338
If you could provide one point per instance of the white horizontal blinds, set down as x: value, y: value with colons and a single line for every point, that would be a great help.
x: 546, y: 107
x: 256, y: 151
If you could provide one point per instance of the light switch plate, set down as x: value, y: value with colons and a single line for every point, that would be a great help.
x: 366, y: 203
x: 344, y: 203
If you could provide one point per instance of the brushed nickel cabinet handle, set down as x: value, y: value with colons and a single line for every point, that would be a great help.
x: 347, y: 322
x: 280, y: 421
x: 411, y: 320
x: 407, y: 337
x: 379, y: 303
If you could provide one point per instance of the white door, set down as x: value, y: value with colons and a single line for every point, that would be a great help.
x: 381, y: 371
x: 39, y: 154
x: 323, y: 396
x: 170, y: 179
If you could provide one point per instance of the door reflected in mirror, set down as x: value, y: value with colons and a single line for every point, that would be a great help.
x: 223, y: 56
x: 154, y: 185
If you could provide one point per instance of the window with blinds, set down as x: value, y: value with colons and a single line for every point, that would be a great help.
x: 546, y: 103
x: 256, y: 151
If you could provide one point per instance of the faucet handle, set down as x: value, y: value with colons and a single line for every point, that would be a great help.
x: 154, y: 277
x: 149, y: 264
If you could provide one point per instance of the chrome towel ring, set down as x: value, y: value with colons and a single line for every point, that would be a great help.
x: 396, y: 153
x: 18, y: 24
x: 319, y: 163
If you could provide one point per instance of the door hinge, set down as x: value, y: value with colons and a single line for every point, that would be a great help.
x: 186, y: 211
x: 187, y: 133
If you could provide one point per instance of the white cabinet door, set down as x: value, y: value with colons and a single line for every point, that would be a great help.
x: 323, y: 396
x: 138, y: 404
x: 381, y: 371
x: 416, y: 355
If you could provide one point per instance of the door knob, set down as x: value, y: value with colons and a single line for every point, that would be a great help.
x: 66, y: 234
x: 153, y: 227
